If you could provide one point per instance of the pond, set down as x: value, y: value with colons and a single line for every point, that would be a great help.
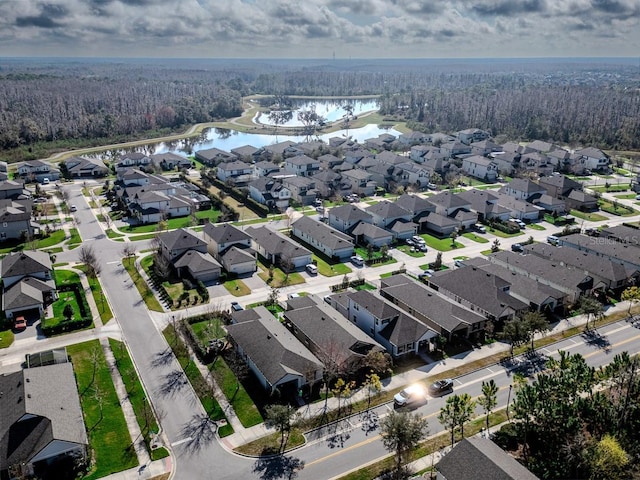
x: 226, y: 140
x: 331, y: 110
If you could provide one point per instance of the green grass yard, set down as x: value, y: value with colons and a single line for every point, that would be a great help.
x: 441, y: 244
x: 475, y: 238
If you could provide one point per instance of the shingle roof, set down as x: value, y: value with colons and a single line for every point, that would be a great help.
x: 272, y: 348
x: 276, y: 243
x: 224, y: 233
x: 181, y: 239
x: 25, y: 263
x: 371, y: 231
x: 350, y: 213
x: 414, y: 204
x: 322, y: 233
x: 387, y: 210
x: 26, y: 293
x: 448, y: 200
x: 481, y: 459
x: 197, y: 261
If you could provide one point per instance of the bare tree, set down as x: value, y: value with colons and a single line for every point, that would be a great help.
x: 90, y: 259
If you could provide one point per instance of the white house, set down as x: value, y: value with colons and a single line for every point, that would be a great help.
x: 480, y: 167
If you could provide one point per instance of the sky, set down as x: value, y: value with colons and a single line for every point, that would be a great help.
x: 320, y: 28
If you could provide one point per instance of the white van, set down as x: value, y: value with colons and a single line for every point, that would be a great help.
x: 45, y: 181
x: 311, y: 268
x: 552, y: 239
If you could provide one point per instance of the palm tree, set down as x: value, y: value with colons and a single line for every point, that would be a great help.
x: 489, y: 398
x: 536, y: 323
x: 456, y: 412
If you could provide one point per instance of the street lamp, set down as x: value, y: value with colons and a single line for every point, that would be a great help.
x: 508, y: 401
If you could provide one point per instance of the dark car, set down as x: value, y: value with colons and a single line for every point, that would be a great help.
x: 517, y: 247
x: 19, y: 323
x: 441, y: 386
x: 236, y: 307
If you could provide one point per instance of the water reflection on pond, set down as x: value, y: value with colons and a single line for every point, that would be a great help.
x: 331, y: 110
x: 226, y: 139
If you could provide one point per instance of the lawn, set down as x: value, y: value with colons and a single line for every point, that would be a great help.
x: 280, y: 279
x: 475, y: 238
x: 145, y: 292
x: 501, y: 234
x: 64, y: 299
x: 376, y: 255
x: 406, y: 249
x: 592, y: 217
x: 98, y: 297
x: 75, y: 240
x: 330, y: 270
x: 136, y: 395
x: 174, y: 223
x: 237, y: 396
x: 109, y: 437
x: 237, y: 287
x: 6, y: 338
x: 626, y: 196
x: 442, y: 245
x: 65, y: 276
x: 536, y: 226
x: 113, y: 234
x: 486, y: 252
x: 208, y: 329
x: 200, y: 386
x: 616, y: 209
x: 14, y: 245
x: 623, y: 187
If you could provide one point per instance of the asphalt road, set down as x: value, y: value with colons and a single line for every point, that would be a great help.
x: 197, y: 452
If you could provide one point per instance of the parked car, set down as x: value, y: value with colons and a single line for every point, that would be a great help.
x: 19, y: 323
x: 410, y: 242
x: 637, y: 197
x: 459, y: 263
x: 73, y: 208
x: 592, y: 232
x: 517, y: 247
x: 427, y: 273
x: 441, y: 386
x: 480, y: 228
x: 412, y: 396
x: 553, y: 240
x: 46, y: 181
x: 518, y: 222
x: 357, y: 260
x: 311, y: 268
x: 432, y: 186
x: 422, y: 247
x: 236, y: 307
x: 417, y: 239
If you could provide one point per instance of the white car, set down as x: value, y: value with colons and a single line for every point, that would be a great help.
x: 311, y: 268
x: 637, y: 197
x: 357, y: 260
x: 518, y: 222
x: 413, y: 395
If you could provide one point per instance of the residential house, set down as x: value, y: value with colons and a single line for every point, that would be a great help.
x: 356, y: 155
x: 539, y: 296
x: 447, y: 203
x: 385, y: 213
x: 42, y: 423
x: 518, y: 208
x: 479, y: 291
x: 277, y: 151
x: 27, y: 279
x: 248, y: 153
x: 535, y: 162
x: 481, y: 459
x: 132, y: 160
x: 79, y: 167
x: 559, y: 186
x: 328, y: 240
x: 368, y: 234
x: 329, y: 161
x: 231, y: 247
x: 303, y: 189
x: 418, y: 152
x: 14, y: 190
x: 572, y: 281
x: 627, y: 253
x: 278, y: 249
x: 277, y: 359
x: 551, y: 204
x: 622, y: 234
x: 302, y: 165
x: 330, y: 184
x: 400, y: 333
x: 480, y: 167
x: 197, y: 265
x: 441, y: 314
x: 153, y: 206
x: 235, y: 172
x: 37, y: 171
x: 506, y: 162
x: 485, y: 148
x: 635, y: 184
x: 170, y: 161
x: 485, y: 204
x: 413, y: 138
x: 211, y: 157
x: 523, y: 189
x: 15, y: 220
x: 580, y: 200
x: 175, y: 243
x: 471, y: 135
x: 328, y: 334
x: 417, y: 206
x: 134, y: 177
x: 594, y: 159
x: 361, y: 181
x: 270, y: 192
x: 607, y: 274
x: 455, y: 148
x: 346, y: 217
x: 265, y: 168
x: 414, y: 175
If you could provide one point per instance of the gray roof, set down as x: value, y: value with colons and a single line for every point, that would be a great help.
x: 349, y: 212
x: 627, y: 252
x: 26, y: 293
x: 235, y: 256
x: 480, y: 459
x: 448, y: 200
x: 50, y: 394
x: 521, y: 286
x: 524, y: 185
x: 488, y: 292
x: 197, y: 261
x: 414, y: 204
x: 371, y: 231
x: 602, y: 267
x: 324, y: 234
x: 225, y: 233
x: 328, y: 329
x: 272, y: 348
x: 25, y: 263
x: 181, y: 239
x: 622, y: 233
x: 387, y: 210
x: 438, y: 308
x: 401, y: 329
x: 276, y: 243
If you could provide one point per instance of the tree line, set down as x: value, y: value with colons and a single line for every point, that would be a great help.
x: 578, y: 103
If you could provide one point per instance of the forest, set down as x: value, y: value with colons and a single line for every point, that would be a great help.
x: 58, y: 103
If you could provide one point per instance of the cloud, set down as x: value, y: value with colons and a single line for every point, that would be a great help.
x: 40, y: 21
x: 509, y: 7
